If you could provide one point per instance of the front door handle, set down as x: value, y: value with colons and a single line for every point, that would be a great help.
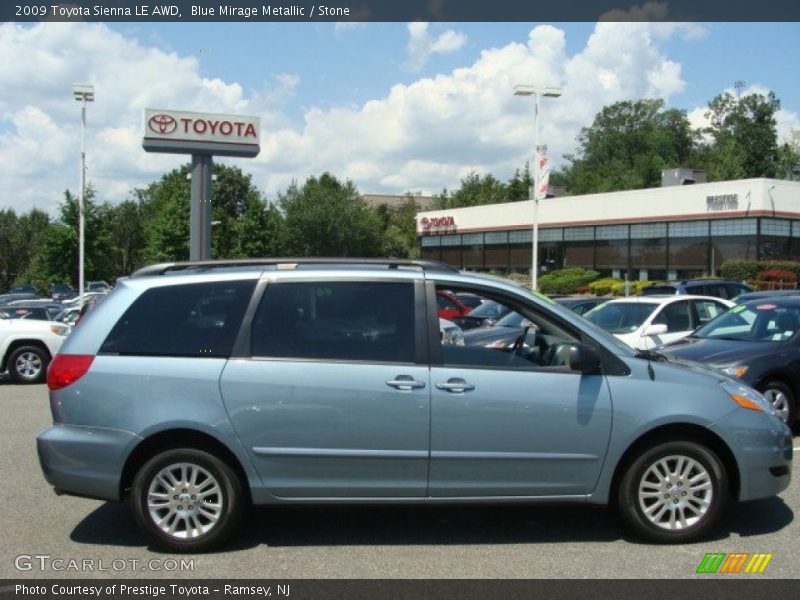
x: 455, y: 386
x: 405, y: 383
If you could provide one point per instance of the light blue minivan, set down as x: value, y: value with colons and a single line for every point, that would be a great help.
x: 196, y: 389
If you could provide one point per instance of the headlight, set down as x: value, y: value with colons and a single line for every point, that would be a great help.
x: 453, y: 336
x: 747, y: 397
x: 737, y: 371
x: 59, y: 329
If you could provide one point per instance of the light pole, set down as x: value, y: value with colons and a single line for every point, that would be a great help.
x: 533, y: 191
x: 84, y: 93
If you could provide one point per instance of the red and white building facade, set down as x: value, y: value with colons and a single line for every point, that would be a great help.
x: 672, y: 232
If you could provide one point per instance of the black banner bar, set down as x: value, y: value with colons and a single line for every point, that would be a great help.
x: 401, y: 10
x: 723, y: 588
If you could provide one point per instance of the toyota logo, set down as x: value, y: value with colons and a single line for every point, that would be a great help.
x: 163, y: 124
x: 425, y: 223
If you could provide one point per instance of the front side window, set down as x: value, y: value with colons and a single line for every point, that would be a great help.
x: 335, y: 320
x: 521, y: 340
x: 676, y: 316
x: 193, y: 320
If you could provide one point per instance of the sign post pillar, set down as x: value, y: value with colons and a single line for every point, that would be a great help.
x: 201, y: 208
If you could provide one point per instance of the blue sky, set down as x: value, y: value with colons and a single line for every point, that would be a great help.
x: 395, y: 107
x: 355, y: 65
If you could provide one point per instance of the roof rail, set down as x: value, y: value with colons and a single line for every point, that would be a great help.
x: 204, y: 265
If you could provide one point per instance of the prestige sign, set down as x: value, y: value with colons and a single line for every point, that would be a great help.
x: 201, y: 133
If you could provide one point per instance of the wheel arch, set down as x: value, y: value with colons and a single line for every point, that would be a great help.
x: 16, y: 344
x: 179, y: 438
x: 676, y: 432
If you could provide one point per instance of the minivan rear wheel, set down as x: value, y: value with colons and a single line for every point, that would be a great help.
x: 187, y: 500
x: 674, y: 492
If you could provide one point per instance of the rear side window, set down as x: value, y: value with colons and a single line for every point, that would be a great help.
x: 363, y: 321
x: 200, y: 319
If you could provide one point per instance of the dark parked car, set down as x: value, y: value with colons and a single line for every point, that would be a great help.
x: 23, y: 289
x: 746, y: 297
x: 757, y: 342
x: 580, y: 305
x: 62, y: 291
x: 719, y: 288
x: 486, y: 315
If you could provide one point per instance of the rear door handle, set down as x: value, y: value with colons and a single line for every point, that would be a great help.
x: 455, y: 386
x: 405, y: 383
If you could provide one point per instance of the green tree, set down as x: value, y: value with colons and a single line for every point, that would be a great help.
x: 399, y: 226
x: 325, y: 217
x: 165, y: 209
x: 744, y: 137
x: 519, y: 185
x: 262, y: 229
x: 56, y: 260
x: 475, y: 190
x: 628, y: 145
x: 789, y: 158
x: 127, y: 238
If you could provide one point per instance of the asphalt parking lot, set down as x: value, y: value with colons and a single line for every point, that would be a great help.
x: 354, y: 542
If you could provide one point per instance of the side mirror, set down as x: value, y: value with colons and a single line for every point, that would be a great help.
x: 659, y: 329
x: 585, y: 359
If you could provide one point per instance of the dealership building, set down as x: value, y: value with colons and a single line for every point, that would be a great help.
x: 671, y: 232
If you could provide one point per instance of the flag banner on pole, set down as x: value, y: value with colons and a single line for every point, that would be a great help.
x: 544, y: 173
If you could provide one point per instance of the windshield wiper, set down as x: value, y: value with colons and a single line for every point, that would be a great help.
x: 652, y: 355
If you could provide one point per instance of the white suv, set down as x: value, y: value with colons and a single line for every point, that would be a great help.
x: 27, y: 346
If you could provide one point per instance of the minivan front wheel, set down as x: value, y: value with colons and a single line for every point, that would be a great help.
x: 28, y: 364
x: 187, y: 500
x: 674, y: 492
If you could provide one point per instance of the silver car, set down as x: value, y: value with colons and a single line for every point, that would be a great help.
x: 195, y: 389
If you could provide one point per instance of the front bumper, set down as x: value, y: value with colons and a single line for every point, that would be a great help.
x: 762, y: 447
x: 84, y: 461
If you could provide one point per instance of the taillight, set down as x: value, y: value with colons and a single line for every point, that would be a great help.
x: 66, y: 369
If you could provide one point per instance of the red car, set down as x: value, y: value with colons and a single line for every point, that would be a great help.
x: 449, y: 306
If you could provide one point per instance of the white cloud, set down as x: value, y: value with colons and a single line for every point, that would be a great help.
x: 423, y: 135
x: 422, y: 45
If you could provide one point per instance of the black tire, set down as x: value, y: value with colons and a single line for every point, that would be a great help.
x: 228, y: 494
x: 28, y: 364
x: 782, y: 399
x: 675, y: 497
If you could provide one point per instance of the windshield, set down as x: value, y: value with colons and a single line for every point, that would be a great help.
x: 512, y: 319
x: 762, y: 322
x: 489, y: 310
x: 620, y: 317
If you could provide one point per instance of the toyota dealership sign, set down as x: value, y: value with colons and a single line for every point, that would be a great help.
x: 201, y: 133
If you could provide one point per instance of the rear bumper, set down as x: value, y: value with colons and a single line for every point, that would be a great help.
x: 84, y: 461
x: 763, y: 450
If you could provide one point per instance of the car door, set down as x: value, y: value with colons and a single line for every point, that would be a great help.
x: 329, y: 388
x: 511, y: 425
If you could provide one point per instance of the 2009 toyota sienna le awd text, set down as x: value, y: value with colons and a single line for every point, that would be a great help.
x: 197, y: 388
